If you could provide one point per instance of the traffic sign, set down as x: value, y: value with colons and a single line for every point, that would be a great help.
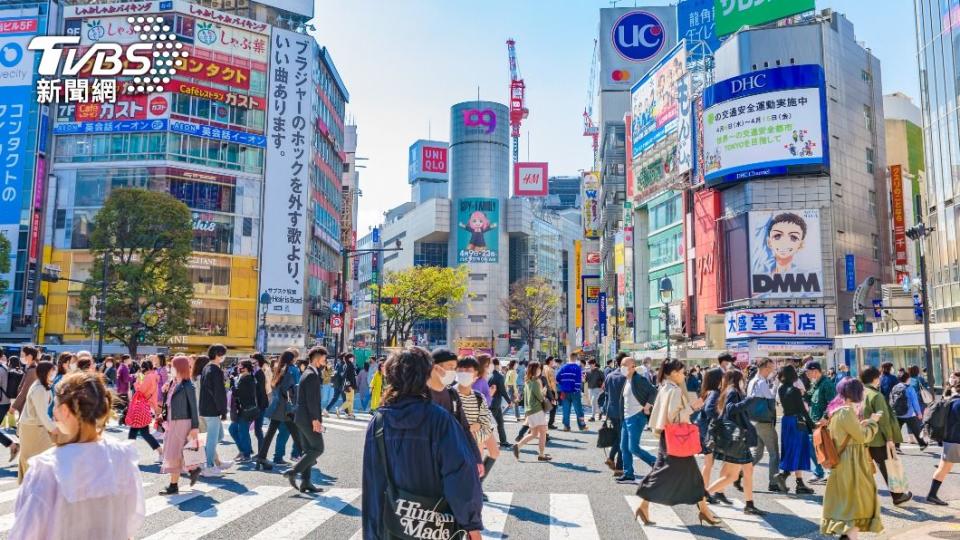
x: 336, y: 321
x: 336, y: 307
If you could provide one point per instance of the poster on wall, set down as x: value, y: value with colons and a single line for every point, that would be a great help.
x: 684, y: 161
x: 591, y: 205
x: 653, y: 101
x: 785, y: 254
x: 765, y: 123
x: 578, y: 294
x: 283, y: 260
x: 478, y: 237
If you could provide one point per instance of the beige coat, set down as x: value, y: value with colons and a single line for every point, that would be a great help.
x: 672, y: 406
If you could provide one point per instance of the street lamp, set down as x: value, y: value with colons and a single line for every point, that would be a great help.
x: 265, y: 306
x: 919, y: 233
x: 41, y: 304
x: 666, y: 296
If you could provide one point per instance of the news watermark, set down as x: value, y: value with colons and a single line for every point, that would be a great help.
x: 75, y: 73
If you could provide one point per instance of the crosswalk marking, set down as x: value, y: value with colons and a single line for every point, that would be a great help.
x: 212, y: 519
x: 308, y: 517
x: 495, y: 512
x: 745, y: 525
x: 357, y: 535
x: 337, y: 427
x: 804, y: 508
x: 362, y: 424
x: 160, y: 503
x: 571, y: 517
x: 667, y: 525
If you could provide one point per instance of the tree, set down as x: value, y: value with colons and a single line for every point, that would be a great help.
x: 145, y: 238
x: 423, y: 292
x: 531, y: 308
x: 4, y: 263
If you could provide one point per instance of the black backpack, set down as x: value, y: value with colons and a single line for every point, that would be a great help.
x: 14, y: 378
x: 935, y: 419
x: 898, y: 400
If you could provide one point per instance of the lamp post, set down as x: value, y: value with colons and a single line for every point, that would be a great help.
x: 666, y: 296
x: 919, y: 233
x: 41, y: 304
x: 262, y: 333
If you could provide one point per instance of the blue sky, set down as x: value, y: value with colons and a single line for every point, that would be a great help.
x: 405, y: 62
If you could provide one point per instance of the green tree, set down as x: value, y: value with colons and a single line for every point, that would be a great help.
x: 531, y: 308
x: 4, y: 263
x: 145, y: 238
x: 424, y: 292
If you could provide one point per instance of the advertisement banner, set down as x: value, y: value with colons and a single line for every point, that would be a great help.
x: 478, y: 239
x: 850, y: 271
x: 591, y: 206
x: 578, y: 296
x: 697, y: 25
x: 731, y: 15
x: 283, y: 261
x: 766, y: 123
x: 214, y: 72
x: 899, y: 219
x: 593, y: 293
x: 602, y: 314
x: 428, y: 160
x: 631, y: 41
x: 785, y: 254
x: 215, y: 37
x: 631, y: 177
x: 796, y: 322
x: 208, y: 92
x: 125, y: 9
x: 628, y: 298
x: 684, y: 161
x: 126, y: 107
x: 220, y: 134
x: 118, y: 126
x: 653, y: 101
x: 530, y: 180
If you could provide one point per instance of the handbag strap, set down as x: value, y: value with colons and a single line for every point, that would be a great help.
x: 381, y: 449
x: 843, y: 446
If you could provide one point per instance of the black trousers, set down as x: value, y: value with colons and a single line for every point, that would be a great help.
x: 497, y: 411
x: 145, y: 433
x: 616, y: 424
x: 913, y: 426
x: 311, y: 443
x: 4, y: 440
x: 553, y: 416
x: 271, y: 432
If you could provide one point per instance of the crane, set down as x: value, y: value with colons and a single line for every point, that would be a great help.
x: 589, y: 128
x: 518, y: 108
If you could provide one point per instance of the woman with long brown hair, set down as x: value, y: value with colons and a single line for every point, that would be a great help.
x: 710, y: 394
x: 536, y: 418
x: 280, y: 410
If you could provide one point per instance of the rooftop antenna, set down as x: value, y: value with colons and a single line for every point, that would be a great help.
x: 429, y: 132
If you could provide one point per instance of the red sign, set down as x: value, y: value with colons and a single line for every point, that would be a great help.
x: 18, y: 26
x: 706, y: 267
x: 336, y: 322
x: 530, y: 180
x: 899, y: 220
x: 593, y: 257
x: 126, y: 107
x: 215, y: 72
x: 433, y: 159
x: 230, y: 98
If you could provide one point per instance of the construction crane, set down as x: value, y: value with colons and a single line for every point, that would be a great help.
x: 589, y: 128
x: 518, y: 104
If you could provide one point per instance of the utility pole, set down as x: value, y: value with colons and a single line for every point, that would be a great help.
x: 919, y: 233
x: 102, y: 308
x: 377, y: 258
x: 343, y: 300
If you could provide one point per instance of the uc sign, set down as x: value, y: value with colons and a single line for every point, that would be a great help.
x: 638, y: 36
x: 530, y: 180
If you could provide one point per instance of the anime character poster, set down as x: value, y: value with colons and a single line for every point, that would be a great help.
x: 785, y: 254
x: 478, y: 239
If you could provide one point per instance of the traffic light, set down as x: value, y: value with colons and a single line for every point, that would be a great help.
x: 390, y: 300
x: 861, y: 321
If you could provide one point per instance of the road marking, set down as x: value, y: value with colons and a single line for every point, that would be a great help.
x: 803, y: 508
x: 357, y: 535
x: 745, y: 525
x: 667, y: 524
x: 162, y: 502
x: 343, y: 421
x: 495, y: 512
x: 212, y: 519
x: 308, y: 517
x: 8, y: 481
x: 571, y: 517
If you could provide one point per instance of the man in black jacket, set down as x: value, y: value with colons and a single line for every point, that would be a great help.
x: 263, y: 400
x: 213, y: 407
x: 444, y: 374
x: 337, y: 381
x: 308, y: 418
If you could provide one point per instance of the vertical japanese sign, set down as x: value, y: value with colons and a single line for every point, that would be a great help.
x: 850, y: 271
x: 695, y: 23
x: 899, y: 220
x: 631, y: 177
x: 602, y: 314
x: 685, y: 126
x: 577, y: 273
x: 478, y: 239
x: 591, y: 205
x: 16, y: 148
x: 283, y: 260
x: 627, y: 306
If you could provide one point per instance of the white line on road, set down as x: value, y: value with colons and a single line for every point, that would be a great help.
x: 343, y: 421
x: 357, y: 535
x: 803, y: 508
x: 212, y: 519
x: 495, y: 512
x: 571, y: 517
x: 160, y: 503
x: 667, y: 525
x: 337, y: 427
x: 745, y: 525
x: 308, y: 517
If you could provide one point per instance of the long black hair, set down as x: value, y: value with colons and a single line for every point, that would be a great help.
x: 712, y: 379
x: 667, y: 367
x: 406, y: 374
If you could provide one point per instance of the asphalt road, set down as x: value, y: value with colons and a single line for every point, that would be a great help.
x: 572, y: 497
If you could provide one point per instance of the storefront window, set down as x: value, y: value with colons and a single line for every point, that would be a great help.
x: 210, y: 280
x: 203, y: 195
x: 208, y: 321
x: 212, y: 233
x: 82, y: 228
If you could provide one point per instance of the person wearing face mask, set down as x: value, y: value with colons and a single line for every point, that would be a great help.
x: 476, y: 411
x: 763, y: 414
x: 59, y: 491
x: 309, y: 420
x: 35, y: 428
x: 442, y: 375
x: 638, y: 398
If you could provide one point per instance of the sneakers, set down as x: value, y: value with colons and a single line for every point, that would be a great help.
x: 627, y: 479
x: 225, y: 465
x: 817, y: 480
x: 545, y: 457
x: 211, y: 472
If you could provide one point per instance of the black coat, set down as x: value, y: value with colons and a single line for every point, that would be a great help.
x: 263, y: 400
x: 735, y: 410
x: 244, y: 395
x: 308, y: 399
x: 183, y: 404
x: 213, y: 392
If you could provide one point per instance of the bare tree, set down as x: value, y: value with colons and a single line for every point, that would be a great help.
x: 531, y: 308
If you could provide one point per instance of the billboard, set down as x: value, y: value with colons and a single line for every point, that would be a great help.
x: 697, y: 24
x: 775, y: 323
x: 785, y: 254
x: 126, y: 107
x: 283, y: 261
x: 428, y: 160
x: 684, y: 160
x: 478, y: 240
x: 653, y: 101
x: 578, y: 283
x: 899, y: 218
x: 530, y: 179
x: 731, y: 15
x: 631, y: 41
x: 591, y: 205
x: 771, y: 122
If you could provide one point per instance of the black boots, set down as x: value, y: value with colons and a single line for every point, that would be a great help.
x: 172, y: 489
x: 749, y: 508
x: 802, y: 489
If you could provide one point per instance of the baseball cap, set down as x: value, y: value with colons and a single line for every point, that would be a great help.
x: 812, y: 365
x: 442, y: 355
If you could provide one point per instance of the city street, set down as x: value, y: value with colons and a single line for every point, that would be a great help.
x: 572, y: 497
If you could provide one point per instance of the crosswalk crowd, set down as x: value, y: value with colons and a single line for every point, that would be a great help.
x: 437, y: 428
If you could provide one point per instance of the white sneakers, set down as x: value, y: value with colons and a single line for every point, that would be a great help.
x: 211, y: 472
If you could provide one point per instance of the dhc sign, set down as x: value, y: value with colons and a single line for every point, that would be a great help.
x: 751, y: 82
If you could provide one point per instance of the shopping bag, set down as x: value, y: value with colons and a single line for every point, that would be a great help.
x: 683, y: 440
x: 193, y: 453
x: 138, y: 413
x: 896, y: 476
x: 605, y: 436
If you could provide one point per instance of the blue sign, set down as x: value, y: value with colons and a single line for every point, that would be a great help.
x: 109, y: 126
x: 602, y: 313
x: 220, y: 134
x: 10, y: 54
x: 376, y: 236
x: 638, y: 36
x: 850, y: 263
x: 877, y: 306
x: 696, y: 24
x: 336, y: 307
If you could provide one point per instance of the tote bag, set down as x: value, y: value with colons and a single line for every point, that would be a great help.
x: 683, y: 439
x: 896, y: 476
x: 138, y: 413
x: 193, y: 453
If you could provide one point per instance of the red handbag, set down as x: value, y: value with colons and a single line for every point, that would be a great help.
x: 138, y: 412
x: 683, y: 439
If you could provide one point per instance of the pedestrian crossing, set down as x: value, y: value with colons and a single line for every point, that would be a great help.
x: 572, y: 516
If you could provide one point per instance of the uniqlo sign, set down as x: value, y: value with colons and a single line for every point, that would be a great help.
x: 530, y: 180
x: 433, y: 159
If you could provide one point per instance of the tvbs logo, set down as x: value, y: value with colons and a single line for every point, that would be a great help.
x: 150, y: 63
x: 485, y: 118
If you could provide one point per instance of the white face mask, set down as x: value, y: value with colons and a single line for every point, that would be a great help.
x: 464, y: 378
x: 448, y: 377
x: 623, y: 369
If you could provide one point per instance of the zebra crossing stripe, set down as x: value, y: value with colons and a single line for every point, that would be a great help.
x: 338, y: 427
x: 362, y: 424
x: 571, y: 517
x: 495, y: 512
x: 745, y: 525
x: 308, y: 517
x: 212, y: 519
x: 160, y: 503
x: 667, y: 524
x: 803, y: 508
x: 357, y: 535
